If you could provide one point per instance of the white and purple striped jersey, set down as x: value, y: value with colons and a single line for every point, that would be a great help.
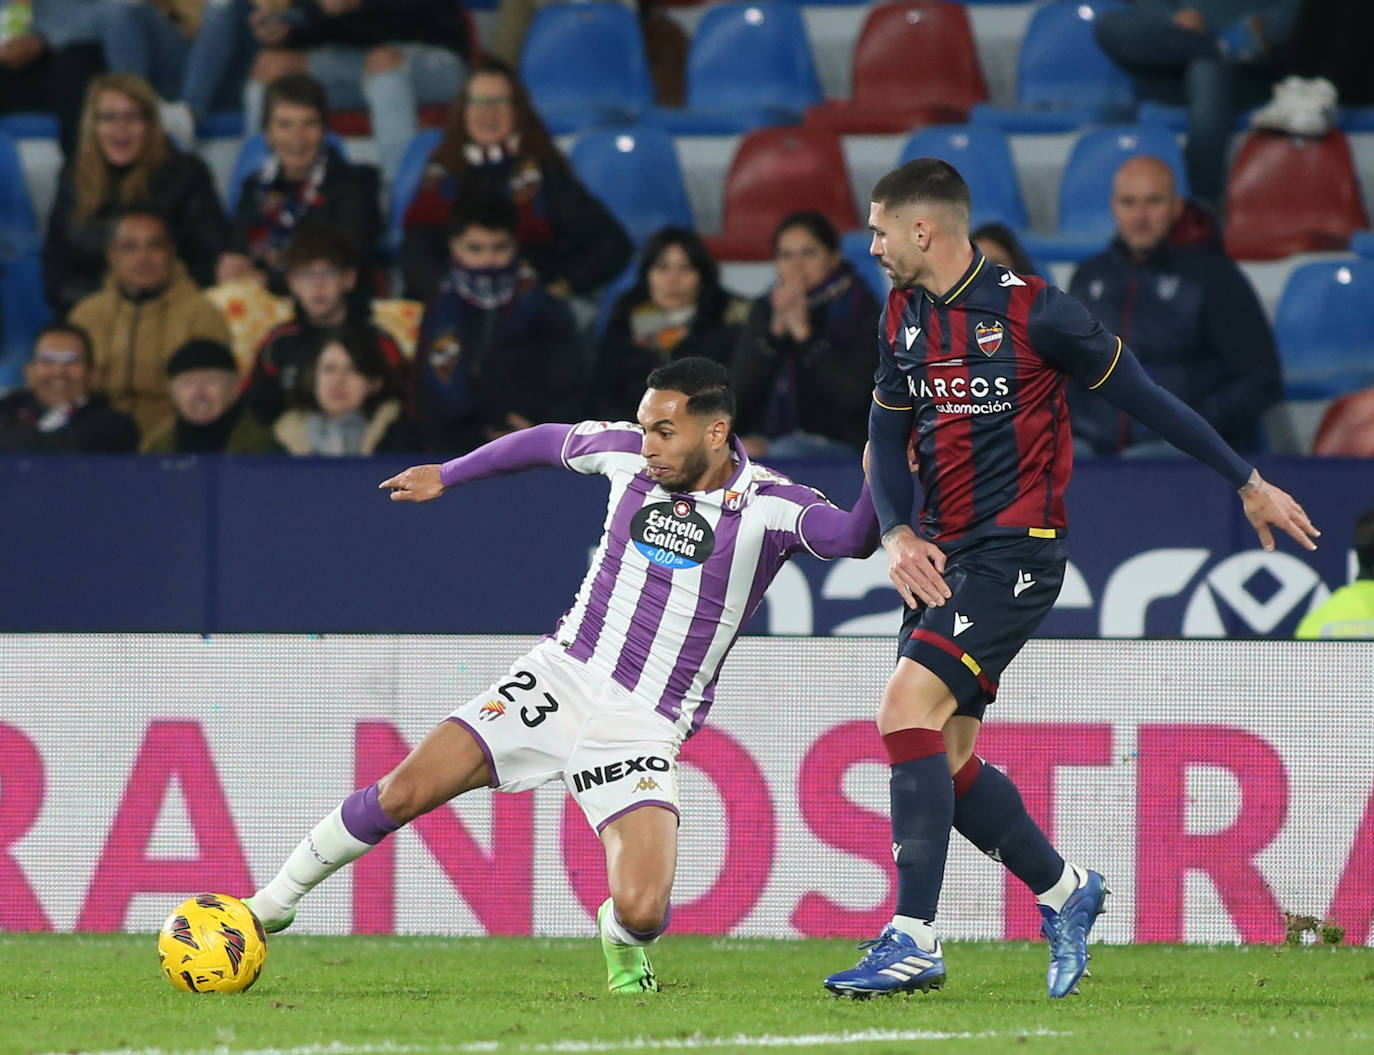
x: 676, y: 575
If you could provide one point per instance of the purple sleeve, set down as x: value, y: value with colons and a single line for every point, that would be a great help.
x: 525, y: 449
x: 831, y: 532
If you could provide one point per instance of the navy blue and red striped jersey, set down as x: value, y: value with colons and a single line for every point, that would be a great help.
x: 983, y: 368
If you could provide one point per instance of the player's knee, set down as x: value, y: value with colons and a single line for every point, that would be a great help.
x: 401, y: 797
x: 643, y: 913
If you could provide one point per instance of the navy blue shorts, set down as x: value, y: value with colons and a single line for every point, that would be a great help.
x: 1002, y: 587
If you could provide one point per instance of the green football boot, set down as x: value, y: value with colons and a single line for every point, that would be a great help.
x: 627, y: 966
x: 271, y: 924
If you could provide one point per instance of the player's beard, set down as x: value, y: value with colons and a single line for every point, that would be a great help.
x: 694, y: 467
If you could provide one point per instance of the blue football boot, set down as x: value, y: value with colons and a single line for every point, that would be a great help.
x: 894, y: 963
x: 1067, y: 933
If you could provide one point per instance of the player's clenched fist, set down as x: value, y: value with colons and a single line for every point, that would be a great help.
x: 419, y: 483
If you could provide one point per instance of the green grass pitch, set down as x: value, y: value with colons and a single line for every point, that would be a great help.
x: 396, y: 996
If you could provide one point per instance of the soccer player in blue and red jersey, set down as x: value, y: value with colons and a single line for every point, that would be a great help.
x: 973, y: 361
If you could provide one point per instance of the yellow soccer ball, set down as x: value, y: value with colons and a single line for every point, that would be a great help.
x: 212, y: 943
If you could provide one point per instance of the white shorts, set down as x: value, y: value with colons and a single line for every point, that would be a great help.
x: 554, y: 718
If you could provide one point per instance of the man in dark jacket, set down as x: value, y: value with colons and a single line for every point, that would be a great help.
x: 210, y: 418
x: 57, y: 412
x: 322, y: 273
x: 498, y: 352
x: 1187, y: 311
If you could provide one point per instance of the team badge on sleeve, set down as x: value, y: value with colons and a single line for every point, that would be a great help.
x: 989, y: 337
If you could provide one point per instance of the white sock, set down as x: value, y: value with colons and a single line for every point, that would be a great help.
x: 327, y: 848
x: 1072, y: 879
x: 918, y: 930
x: 616, y: 933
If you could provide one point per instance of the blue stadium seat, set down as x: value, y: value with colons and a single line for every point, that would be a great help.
x: 1175, y: 118
x: 617, y: 287
x: 635, y: 172
x: 251, y: 157
x: 982, y: 155
x: 585, y: 66
x: 407, y: 182
x: 1064, y: 80
x: 31, y: 126
x: 18, y: 222
x: 1085, y: 192
x: 224, y: 124
x: 25, y: 313
x: 1325, y: 329
x: 749, y: 66
x: 854, y: 247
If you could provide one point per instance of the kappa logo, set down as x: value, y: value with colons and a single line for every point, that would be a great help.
x: 647, y: 784
x: 1008, y: 280
x: 961, y: 623
x: 912, y: 332
x: 1023, y: 583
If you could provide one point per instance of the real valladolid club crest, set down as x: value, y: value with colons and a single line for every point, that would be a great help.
x: 989, y: 336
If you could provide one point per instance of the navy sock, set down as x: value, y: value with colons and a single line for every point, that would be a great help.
x: 989, y: 812
x: 922, y: 812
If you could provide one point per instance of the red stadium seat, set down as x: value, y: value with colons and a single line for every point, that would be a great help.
x: 357, y: 123
x: 914, y: 64
x: 776, y: 171
x: 1288, y: 195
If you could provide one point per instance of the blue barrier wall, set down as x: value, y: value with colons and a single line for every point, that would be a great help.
x: 275, y: 544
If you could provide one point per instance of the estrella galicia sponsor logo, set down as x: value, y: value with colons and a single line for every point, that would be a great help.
x: 598, y: 775
x: 672, y: 535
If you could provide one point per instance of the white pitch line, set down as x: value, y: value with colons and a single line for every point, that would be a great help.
x: 692, y: 1043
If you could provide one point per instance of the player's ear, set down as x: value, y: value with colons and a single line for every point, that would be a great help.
x: 718, y: 433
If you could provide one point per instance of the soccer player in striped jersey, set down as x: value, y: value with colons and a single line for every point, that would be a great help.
x: 973, y: 361
x: 694, y: 533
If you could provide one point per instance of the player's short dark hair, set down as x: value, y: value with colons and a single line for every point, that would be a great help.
x: 300, y: 89
x: 818, y: 224
x: 62, y: 326
x: 927, y: 180
x: 494, y: 212
x: 704, y: 382
x: 1364, y: 544
x: 316, y: 242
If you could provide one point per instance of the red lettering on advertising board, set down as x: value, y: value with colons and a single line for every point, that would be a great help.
x: 1353, y: 904
x: 498, y: 885
x: 21, y: 797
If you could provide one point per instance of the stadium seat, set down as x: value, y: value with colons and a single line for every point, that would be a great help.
x: 1324, y: 328
x: 30, y: 125
x: 749, y: 66
x: 1064, y: 80
x: 615, y: 288
x: 774, y: 172
x: 251, y: 157
x: 1287, y: 195
x: 914, y: 64
x: 982, y: 154
x: 1085, y: 191
x: 635, y: 172
x: 854, y: 245
x: 585, y: 66
x: 407, y: 182
x: 25, y: 313
x: 358, y: 123
x: 19, y: 232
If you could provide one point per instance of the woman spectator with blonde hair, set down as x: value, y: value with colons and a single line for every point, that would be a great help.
x: 123, y: 157
x: 495, y: 143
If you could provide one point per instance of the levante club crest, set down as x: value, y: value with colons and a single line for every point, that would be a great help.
x: 989, y: 337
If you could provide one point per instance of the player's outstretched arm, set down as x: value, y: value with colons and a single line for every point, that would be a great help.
x: 1269, y: 506
x: 419, y: 483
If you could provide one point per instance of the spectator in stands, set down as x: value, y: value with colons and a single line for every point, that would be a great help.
x: 321, y: 271
x: 1328, y: 56
x: 203, y: 378
x: 676, y: 308
x: 1187, y: 311
x: 58, y: 411
x: 1212, y: 55
x: 803, y: 368
x: 154, y: 39
x: 1348, y: 614
x: 494, y: 142
x: 304, y: 180
x: 124, y: 158
x: 350, y: 404
x: 999, y: 244
x: 49, y: 51
x: 498, y: 352
x: 1347, y: 427
x: 147, y: 309
x: 382, y: 54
